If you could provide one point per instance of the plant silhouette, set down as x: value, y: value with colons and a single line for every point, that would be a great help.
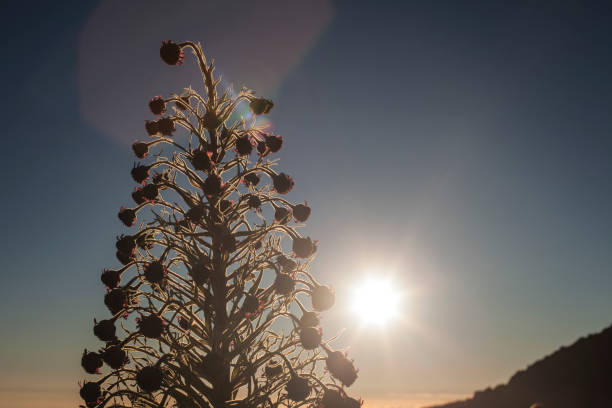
x: 213, y: 305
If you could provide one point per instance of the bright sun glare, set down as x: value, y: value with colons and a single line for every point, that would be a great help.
x: 376, y: 301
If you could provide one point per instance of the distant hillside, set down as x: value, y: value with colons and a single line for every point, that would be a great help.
x: 578, y: 376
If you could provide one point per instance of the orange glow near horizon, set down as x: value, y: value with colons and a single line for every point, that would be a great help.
x: 30, y: 398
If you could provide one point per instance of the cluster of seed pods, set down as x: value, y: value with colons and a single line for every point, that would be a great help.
x: 213, y: 264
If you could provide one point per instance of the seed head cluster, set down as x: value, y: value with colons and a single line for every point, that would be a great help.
x: 210, y: 257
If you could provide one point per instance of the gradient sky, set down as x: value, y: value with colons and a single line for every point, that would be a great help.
x: 463, y: 147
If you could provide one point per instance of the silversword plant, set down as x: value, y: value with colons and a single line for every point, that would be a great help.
x: 213, y: 305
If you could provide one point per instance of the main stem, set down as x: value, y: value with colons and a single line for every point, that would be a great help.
x: 222, y: 391
x: 221, y: 381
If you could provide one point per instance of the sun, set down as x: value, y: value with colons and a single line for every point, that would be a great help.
x: 376, y: 301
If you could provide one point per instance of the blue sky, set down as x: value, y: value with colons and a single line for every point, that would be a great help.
x: 463, y: 146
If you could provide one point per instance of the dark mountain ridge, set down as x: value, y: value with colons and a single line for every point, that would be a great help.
x: 574, y: 376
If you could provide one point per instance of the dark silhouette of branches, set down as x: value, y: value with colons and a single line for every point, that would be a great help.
x: 209, y: 308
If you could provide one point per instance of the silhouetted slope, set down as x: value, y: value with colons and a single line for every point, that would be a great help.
x: 572, y: 377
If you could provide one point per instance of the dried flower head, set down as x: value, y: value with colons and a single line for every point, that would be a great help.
x: 157, y: 105
x: 115, y: 357
x: 91, y: 362
x: 304, y: 247
x: 200, y: 160
x: 140, y: 149
x: 261, y: 106
x: 251, y: 179
x: 140, y: 173
x: 213, y: 185
x: 126, y: 243
x: 309, y: 319
x: 166, y: 126
x: 171, y: 53
x: 332, y: 399
x: 105, y: 330
x: 155, y: 272
x: 151, y: 326
x: 341, y: 368
x: 284, y: 284
x: 91, y: 393
x: 253, y: 201
x: 286, y: 264
x: 195, y: 214
x: 322, y: 298
x: 251, y: 305
x: 150, y: 378
x: 297, y: 388
x: 262, y: 148
x: 274, y: 142
x: 127, y: 216
x: 110, y: 278
x: 152, y: 127
x: 243, y: 146
x: 282, y: 215
x: 125, y: 257
x: 282, y: 183
x: 310, y: 337
x: 137, y: 196
x: 117, y: 299
x: 150, y: 191
x: 301, y: 212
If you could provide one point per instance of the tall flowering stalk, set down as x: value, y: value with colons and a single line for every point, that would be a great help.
x: 208, y: 279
